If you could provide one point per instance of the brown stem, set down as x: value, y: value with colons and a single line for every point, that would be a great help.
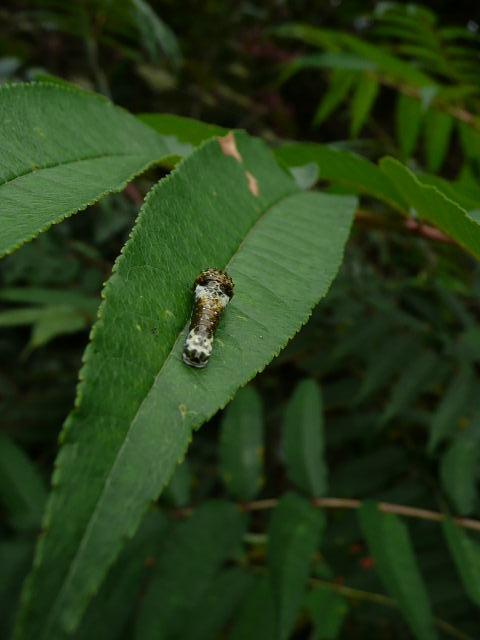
x: 351, y: 503
x: 385, y: 507
x: 407, y: 225
x: 385, y: 601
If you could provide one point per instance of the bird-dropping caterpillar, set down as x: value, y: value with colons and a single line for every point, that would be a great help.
x: 213, y: 291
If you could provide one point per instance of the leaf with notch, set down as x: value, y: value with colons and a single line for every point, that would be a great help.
x: 228, y: 205
x: 431, y: 205
x: 62, y: 150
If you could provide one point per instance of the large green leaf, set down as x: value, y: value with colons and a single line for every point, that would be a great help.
x: 344, y: 168
x: 395, y: 562
x: 241, y: 444
x: 293, y: 536
x: 230, y: 206
x: 193, y: 554
x: 431, y: 205
x: 116, y: 601
x: 303, y: 439
x: 62, y: 150
x: 186, y: 130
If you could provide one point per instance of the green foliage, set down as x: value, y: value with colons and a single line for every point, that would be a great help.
x: 392, y: 550
x: 22, y: 490
x: 143, y: 446
x: 466, y: 555
x: 459, y: 471
x: 46, y: 178
x: 241, y: 445
x: 137, y: 541
x: 328, y: 611
x: 303, y: 439
x: 294, y: 534
x: 186, y: 574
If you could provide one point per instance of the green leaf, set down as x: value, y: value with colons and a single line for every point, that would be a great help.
x: 15, y: 560
x: 194, y: 552
x: 363, y: 100
x: 57, y: 297
x: 303, y: 439
x: 411, y: 383
x: 62, y: 150
x: 429, y: 204
x: 342, y: 61
x: 337, y: 92
x: 466, y: 555
x: 451, y: 407
x: 395, y: 353
x: 241, y: 444
x: 138, y: 403
x: 217, y: 605
x: 156, y: 34
x: 185, y: 130
x: 22, y: 489
x: 256, y: 615
x: 459, y: 473
x: 327, y: 610
x: 178, y: 490
x: 344, y: 168
x: 391, y: 547
x: 293, y: 536
x: 388, y: 64
x: 438, y: 129
x: 111, y: 608
x: 408, y: 118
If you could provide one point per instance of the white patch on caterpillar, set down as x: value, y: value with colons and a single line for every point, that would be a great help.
x: 213, y: 291
x: 197, y: 350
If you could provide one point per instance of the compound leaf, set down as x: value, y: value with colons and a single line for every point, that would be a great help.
x: 229, y: 205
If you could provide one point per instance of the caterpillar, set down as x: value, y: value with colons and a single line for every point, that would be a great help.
x: 213, y: 290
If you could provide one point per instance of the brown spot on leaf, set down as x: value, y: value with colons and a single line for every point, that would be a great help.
x: 228, y: 145
x: 252, y: 184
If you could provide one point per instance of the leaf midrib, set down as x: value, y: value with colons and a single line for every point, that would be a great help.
x: 71, y: 162
x: 118, y: 456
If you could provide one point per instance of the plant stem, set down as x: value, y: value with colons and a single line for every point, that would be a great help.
x: 384, y: 601
x: 352, y: 503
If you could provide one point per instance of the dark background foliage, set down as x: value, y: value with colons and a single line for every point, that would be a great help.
x: 395, y: 344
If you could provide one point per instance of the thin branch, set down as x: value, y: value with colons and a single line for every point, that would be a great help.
x: 384, y: 601
x: 385, y: 507
x: 407, y: 225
